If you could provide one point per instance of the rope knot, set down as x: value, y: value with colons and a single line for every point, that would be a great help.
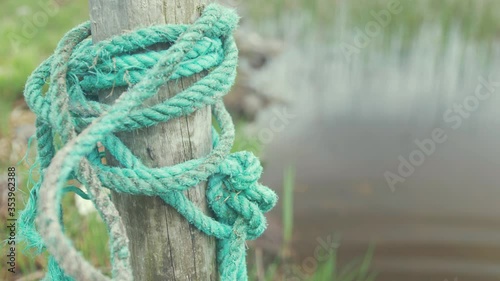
x: 225, y: 20
x: 234, y: 193
x: 76, y: 72
x: 242, y: 170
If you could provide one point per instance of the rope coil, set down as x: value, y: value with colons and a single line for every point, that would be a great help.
x: 68, y: 110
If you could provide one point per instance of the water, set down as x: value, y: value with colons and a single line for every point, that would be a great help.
x: 355, y: 120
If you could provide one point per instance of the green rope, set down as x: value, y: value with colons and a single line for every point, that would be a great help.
x: 70, y: 122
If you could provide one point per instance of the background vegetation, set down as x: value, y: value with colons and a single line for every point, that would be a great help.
x: 21, y: 51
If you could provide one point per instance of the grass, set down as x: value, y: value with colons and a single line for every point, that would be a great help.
x: 477, y: 20
x: 30, y: 32
x: 89, y: 235
x: 31, y: 29
x: 28, y: 39
x: 287, y: 202
x: 357, y: 270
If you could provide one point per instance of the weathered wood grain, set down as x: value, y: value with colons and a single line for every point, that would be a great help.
x: 164, y: 245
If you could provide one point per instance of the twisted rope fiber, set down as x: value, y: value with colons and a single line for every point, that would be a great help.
x: 68, y: 113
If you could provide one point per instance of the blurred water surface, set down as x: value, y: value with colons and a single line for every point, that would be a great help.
x: 354, y: 120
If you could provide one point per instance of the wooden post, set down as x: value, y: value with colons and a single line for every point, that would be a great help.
x: 164, y: 246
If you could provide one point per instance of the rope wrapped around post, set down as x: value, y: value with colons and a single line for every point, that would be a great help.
x: 70, y: 123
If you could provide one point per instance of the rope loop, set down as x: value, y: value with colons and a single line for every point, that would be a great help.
x: 71, y: 122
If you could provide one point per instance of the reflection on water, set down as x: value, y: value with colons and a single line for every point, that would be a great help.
x: 356, y: 119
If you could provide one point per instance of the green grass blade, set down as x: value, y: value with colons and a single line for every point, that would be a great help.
x: 287, y: 201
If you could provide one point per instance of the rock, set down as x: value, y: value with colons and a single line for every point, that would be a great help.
x: 3, y: 197
x: 22, y: 127
x: 246, y: 98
